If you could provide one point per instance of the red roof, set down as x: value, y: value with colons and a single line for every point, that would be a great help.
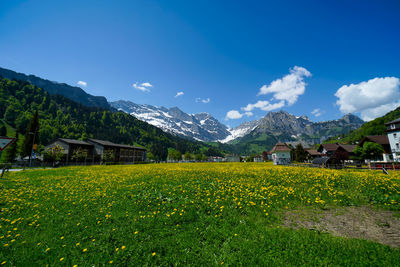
x: 280, y: 147
x: 313, y: 152
x: 383, y: 140
x: 348, y: 148
x: 380, y: 139
x: 330, y: 147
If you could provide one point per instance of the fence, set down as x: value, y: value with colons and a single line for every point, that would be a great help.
x: 371, y: 166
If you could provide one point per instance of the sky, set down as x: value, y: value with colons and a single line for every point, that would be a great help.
x: 237, y: 60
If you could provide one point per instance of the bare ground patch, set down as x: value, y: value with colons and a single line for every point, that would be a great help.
x: 356, y: 222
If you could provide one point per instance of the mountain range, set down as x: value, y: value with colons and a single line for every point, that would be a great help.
x: 201, y: 126
x: 274, y: 126
x: 284, y: 127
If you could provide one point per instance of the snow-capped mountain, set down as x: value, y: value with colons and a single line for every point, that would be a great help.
x: 240, y: 131
x: 273, y: 126
x: 201, y: 126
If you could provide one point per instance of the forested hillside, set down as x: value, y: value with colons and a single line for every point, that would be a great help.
x: 62, y: 117
x: 74, y: 93
x: 374, y: 127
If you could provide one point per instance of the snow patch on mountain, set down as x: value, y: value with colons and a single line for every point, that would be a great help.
x: 201, y: 126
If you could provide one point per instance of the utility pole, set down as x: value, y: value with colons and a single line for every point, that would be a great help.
x: 33, y: 143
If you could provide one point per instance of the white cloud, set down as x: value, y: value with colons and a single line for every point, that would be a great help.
x: 288, y: 88
x: 178, y: 94
x: 233, y: 115
x: 371, y: 99
x: 264, y: 105
x: 285, y: 91
x: 146, y: 84
x: 144, y: 87
x: 317, y: 112
x: 82, y: 83
x: 205, y: 100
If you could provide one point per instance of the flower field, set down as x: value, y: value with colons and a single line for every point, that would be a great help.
x: 184, y: 214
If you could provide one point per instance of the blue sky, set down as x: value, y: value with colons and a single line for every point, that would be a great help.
x: 220, y: 54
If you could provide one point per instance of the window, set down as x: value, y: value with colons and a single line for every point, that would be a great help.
x: 397, y: 145
x: 395, y: 135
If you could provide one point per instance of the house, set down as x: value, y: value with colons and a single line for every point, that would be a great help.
x: 215, y: 159
x: 383, y: 140
x: 312, y: 154
x: 267, y: 155
x: 393, y: 134
x: 95, y: 150
x: 70, y: 146
x: 281, y: 154
x: 258, y: 158
x: 328, y: 149
x: 344, y: 152
x: 122, y: 153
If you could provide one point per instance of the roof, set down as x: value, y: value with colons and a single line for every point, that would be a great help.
x: 348, y: 148
x: 313, y: 152
x: 108, y: 143
x: 380, y: 139
x: 280, y: 147
x: 394, y: 121
x: 330, y: 147
x: 383, y: 140
x: 74, y: 142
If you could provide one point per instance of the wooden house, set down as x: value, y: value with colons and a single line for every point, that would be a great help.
x: 383, y: 140
x: 328, y: 149
x: 70, y: 146
x: 122, y: 153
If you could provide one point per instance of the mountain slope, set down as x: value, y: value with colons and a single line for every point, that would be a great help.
x: 201, y: 126
x: 374, y: 127
x: 54, y: 88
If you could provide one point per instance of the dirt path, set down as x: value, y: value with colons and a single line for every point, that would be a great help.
x: 356, y: 222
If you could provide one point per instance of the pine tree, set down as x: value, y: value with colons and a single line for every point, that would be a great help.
x: 31, y: 136
x: 3, y: 130
x: 299, y: 153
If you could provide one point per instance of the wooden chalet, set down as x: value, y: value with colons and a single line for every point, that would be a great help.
x: 95, y: 150
x: 328, y: 149
x: 122, y: 153
x: 383, y: 140
x: 70, y: 146
x: 312, y: 154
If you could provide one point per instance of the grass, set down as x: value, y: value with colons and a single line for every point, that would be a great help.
x: 184, y: 214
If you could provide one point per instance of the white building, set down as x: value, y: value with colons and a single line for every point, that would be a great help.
x: 281, y: 154
x: 393, y: 133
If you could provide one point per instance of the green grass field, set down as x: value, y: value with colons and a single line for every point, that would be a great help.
x: 185, y: 214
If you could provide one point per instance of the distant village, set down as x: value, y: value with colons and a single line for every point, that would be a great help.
x: 371, y: 149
